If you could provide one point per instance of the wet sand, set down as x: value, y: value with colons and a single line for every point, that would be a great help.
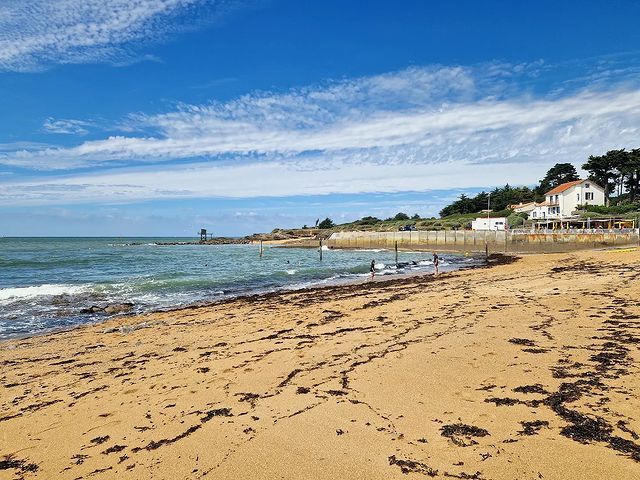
x: 526, y: 370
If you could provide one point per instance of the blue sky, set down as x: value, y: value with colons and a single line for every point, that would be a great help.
x: 157, y: 117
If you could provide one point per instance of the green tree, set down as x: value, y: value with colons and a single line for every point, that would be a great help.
x: 602, y: 170
x: 480, y: 201
x: 616, y: 171
x: 326, y: 223
x: 463, y: 205
x: 501, y: 198
x: 401, y: 216
x: 369, y: 220
x: 558, y: 174
x: 630, y: 168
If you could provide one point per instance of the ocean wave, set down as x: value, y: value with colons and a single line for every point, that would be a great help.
x: 22, y: 293
x: 57, y: 281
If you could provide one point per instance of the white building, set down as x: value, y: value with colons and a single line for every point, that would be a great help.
x: 523, y: 207
x: 483, y: 223
x: 562, y: 201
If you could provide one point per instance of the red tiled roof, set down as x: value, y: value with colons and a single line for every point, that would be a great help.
x: 521, y: 205
x: 564, y: 186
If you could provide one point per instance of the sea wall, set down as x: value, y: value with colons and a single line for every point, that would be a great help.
x: 478, y: 241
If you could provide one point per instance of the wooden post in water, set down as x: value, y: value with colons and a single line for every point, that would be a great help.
x: 320, y: 249
x: 396, y: 245
x: 261, y: 249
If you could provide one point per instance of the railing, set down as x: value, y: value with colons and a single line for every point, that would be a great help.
x: 529, y: 231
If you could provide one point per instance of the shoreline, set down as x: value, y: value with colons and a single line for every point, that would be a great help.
x: 481, y: 373
x: 349, y: 282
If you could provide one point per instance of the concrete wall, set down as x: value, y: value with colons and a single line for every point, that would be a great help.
x: 475, y: 241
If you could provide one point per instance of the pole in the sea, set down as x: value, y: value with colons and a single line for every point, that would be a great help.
x: 320, y: 249
x: 396, y: 246
x: 261, y: 249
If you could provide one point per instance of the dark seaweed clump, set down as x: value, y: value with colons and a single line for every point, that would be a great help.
x: 522, y: 341
x: 535, y: 388
x: 412, y: 466
x: 10, y: 463
x: 532, y: 428
x: 462, y: 434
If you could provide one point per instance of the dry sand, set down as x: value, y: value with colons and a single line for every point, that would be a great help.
x: 527, y: 370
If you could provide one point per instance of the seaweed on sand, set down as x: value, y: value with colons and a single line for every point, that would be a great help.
x: 462, y: 434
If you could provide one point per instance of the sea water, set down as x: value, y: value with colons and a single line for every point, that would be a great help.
x: 46, y: 283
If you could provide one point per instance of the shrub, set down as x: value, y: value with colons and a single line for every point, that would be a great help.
x: 515, y: 220
x: 326, y: 223
x: 616, y: 209
x: 368, y: 221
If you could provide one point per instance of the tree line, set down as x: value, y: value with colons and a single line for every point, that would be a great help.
x: 617, y: 171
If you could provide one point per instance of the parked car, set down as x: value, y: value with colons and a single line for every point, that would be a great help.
x: 407, y: 228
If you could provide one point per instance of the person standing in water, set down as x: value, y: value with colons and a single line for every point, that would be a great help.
x: 372, y: 269
x: 436, y: 262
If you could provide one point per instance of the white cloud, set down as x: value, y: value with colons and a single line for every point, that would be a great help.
x: 313, y: 176
x: 416, y: 129
x: 412, y: 116
x: 66, y: 126
x: 38, y: 33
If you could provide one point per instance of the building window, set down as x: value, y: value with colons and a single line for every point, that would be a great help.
x: 588, y: 196
x: 535, y: 214
x: 586, y: 185
x: 578, y: 197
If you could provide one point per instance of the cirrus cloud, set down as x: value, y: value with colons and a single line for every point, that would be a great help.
x: 411, y: 130
x: 37, y: 33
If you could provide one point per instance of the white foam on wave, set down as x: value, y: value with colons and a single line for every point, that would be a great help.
x: 291, y: 271
x: 21, y: 293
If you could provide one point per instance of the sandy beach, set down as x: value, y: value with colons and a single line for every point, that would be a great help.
x: 525, y: 370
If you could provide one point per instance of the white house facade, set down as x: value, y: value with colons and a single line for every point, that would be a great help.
x: 562, y: 201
